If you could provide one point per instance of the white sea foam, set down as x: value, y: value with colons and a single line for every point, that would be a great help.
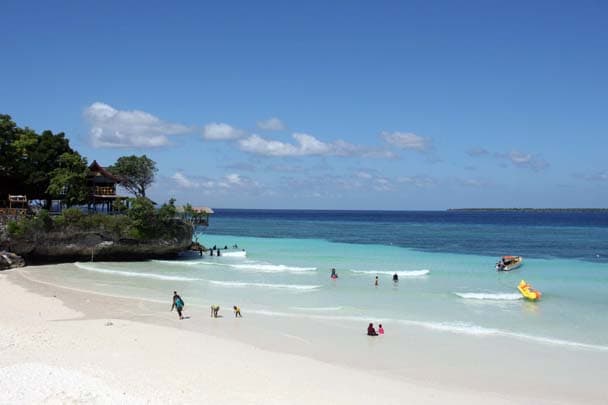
x: 265, y: 285
x: 271, y: 268
x: 180, y: 262
x: 133, y: 273
x: 463, y: 328
x: 408, y: 273
x: 490, y: 296
x: 315, y: 309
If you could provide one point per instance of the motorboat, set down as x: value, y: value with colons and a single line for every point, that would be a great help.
x: 508, y: 263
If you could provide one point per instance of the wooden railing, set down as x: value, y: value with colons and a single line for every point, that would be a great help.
x: 104, y: 190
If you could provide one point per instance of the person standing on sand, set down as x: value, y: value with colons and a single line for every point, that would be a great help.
x: 376, y: 282
x: 178, y: 304
x: 214, y: 310
x: 237, y: 312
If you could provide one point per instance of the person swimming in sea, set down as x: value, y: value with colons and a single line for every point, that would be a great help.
x: 178, y: 304
x: 395, y: 278
x: 334, y: 275
x: 371, y: 331
x: 237, y: 312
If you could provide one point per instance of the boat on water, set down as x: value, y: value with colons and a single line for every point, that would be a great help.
x: 508, y: 263
x: 528, y: 292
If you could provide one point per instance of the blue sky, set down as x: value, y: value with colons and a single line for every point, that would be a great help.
x: 336, y: 105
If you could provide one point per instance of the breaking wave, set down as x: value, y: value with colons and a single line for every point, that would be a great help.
x: 133, y: 273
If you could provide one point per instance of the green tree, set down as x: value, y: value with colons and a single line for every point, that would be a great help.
x: 142, y: 215
x: 69, y: 181
x: 28, y: 159
x: 136, y: 173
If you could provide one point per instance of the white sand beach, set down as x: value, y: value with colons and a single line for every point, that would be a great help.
x: 60, y: 345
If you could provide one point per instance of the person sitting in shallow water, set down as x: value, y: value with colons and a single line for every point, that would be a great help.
x: 395, y: 278
x: 333, y: 273
x: 380, y: 330
x: 371, y: 331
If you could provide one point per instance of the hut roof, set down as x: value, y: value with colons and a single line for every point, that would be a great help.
x: 96, y: 167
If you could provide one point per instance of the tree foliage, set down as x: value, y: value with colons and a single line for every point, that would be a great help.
x: 68, y: 180
x: 136, y: 173
x: 28, y: 161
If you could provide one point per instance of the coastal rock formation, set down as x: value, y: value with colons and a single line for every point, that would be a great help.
x: 10, y: 260
x: 99, y: 244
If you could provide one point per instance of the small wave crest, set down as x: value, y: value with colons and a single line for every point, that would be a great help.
x: 133, y: 273
x: 317, y: 309
x: 179, y: 262
x: 463, y: 328
x: 272, y: 268
x: 265, y: 285
x: 490, y: 296
x: 408, y: 273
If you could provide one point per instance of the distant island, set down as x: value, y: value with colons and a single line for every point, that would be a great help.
x: 532, y: 209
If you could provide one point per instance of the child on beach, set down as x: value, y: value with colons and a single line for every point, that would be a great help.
x: 178, y: 304
x: 214, y: 310
x: 237, y: 312
x: 380, y: 330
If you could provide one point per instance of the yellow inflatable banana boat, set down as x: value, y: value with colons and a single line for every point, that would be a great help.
x: 528, y: 292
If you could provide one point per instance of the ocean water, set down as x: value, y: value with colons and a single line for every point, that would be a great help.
x: 445, y: 262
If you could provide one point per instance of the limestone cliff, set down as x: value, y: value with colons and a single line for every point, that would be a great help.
x: 101, y: 244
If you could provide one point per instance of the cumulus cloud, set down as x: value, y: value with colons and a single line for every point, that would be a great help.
x: 218, y: 131
x: 271, y: 124
x: 407, y: 140
x: 182, y: 181
x: 112, y: 128
x: 524, y: 160
x: 231, y: 181
x: 307, y: 145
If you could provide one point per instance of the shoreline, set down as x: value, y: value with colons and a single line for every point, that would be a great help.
x: 429, y: 362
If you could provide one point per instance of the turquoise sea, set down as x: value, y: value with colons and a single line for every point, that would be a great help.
x: 445, y: 262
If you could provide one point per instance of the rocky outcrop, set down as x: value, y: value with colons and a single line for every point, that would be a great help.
x: 10, y: 260
x: 99, y: 244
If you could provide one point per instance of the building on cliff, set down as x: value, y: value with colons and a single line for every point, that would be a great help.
x: 102, y: 188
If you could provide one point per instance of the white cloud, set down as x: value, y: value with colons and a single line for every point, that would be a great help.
x: 307, y: 145
x: 407, y: 140
x: 596, y: 176
x: 112, y: 128
x: 227, y: 182
x: 271, y: 124
x: 477, y: 151
x: 218, y: 131
x: 524, y: 160
x: 182, y: 181
x: 418, y: 181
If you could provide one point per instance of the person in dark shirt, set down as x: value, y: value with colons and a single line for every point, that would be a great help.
x: 371, y: 331
x: 178, y: 304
